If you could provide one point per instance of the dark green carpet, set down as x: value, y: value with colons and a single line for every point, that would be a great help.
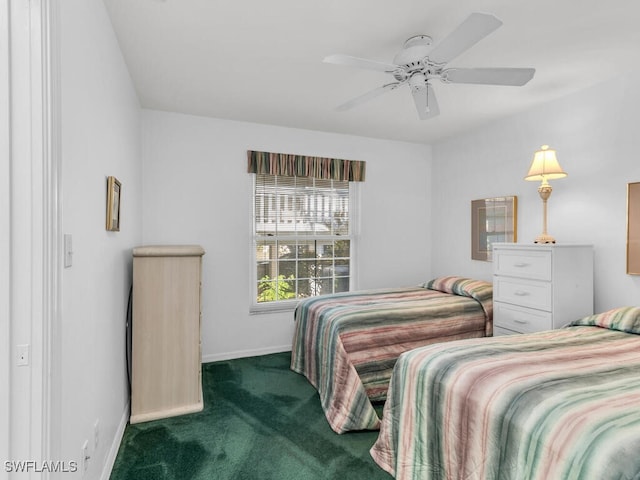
x: 260, y: 421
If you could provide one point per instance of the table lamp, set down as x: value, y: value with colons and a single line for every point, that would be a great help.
x: 545, y: 167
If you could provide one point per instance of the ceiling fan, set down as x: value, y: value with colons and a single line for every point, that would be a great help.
x: 417, y: 64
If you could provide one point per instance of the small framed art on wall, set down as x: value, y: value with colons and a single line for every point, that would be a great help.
x: 113, y: 204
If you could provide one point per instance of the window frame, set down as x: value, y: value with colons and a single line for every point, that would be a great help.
x: 256, y: 307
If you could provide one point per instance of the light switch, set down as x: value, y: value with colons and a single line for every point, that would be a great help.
x: 68, y: 250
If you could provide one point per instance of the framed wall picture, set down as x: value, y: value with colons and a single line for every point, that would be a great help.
x: 633, y: 228
x: 492, y: 220
x: 113, y: 204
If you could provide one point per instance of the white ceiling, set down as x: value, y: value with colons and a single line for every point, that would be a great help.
x: 261, y: 60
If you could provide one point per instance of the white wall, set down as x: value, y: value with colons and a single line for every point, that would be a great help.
x: 196, y: 191
x: 100, y: 137
x: 596, y: 136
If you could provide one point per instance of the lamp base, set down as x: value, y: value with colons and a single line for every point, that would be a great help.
x: 544, y: 238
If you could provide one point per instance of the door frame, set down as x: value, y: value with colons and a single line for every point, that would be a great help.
x: 5, y: 236
x: 30, y: 133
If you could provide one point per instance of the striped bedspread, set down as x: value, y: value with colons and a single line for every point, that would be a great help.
x: 347, y: 344
x: 556, y: 405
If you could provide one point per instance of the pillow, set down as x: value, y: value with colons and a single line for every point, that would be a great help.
x: 479, y: 290
x: 624, y: 319
x: 467, y: 287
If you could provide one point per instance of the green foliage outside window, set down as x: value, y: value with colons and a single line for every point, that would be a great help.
x: 270, y: 290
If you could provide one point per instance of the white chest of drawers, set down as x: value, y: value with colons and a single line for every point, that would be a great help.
x: 540, y: 287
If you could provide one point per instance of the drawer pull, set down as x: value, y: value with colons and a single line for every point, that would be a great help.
x: 521, y: 322
x: 521, y: 293
x: 521, y: 264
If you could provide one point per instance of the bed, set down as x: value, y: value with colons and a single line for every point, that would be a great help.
x: 347, y: 344
x: 561, y: 404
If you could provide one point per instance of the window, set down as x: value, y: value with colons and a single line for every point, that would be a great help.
x: 303, y: 237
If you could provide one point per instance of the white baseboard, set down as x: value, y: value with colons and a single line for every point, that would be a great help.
x: 216, y: 357
x: 115, y: 445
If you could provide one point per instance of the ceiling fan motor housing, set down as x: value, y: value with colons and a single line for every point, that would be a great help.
x: 415, y: 49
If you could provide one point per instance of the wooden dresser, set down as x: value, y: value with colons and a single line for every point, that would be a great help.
x: 540, y: 287
x: 165, y: 346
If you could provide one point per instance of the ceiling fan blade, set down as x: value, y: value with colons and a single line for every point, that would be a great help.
x: 425, y: 101
x: 367, y: 96
x: 489, y: 76
x: 471, y: 31
x: 339, y: 59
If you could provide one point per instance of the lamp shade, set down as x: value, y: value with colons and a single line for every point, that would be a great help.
x: 545, y: 166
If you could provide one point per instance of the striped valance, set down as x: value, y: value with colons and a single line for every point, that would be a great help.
x: 304, y: 166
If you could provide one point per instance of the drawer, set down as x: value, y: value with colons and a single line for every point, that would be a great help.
x: 519, y: 319
x: 522, y: 263
x: 500, y: 332
x: 527, y: 293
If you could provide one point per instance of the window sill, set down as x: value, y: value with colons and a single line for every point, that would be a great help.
x: 273, y: 307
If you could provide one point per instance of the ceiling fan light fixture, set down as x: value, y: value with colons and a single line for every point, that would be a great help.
x: 418, y: 82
